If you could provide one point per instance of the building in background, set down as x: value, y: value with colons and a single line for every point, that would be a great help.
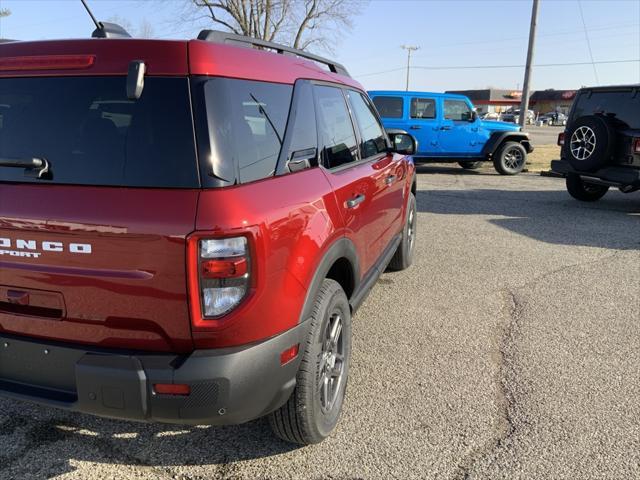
x: 492, y: 100
x: 547, y: 101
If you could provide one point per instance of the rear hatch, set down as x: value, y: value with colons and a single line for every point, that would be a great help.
x: 92, y: 251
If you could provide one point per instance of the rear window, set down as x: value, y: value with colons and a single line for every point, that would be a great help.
x: 91, y: 134
x: 620, y: 105
x: 389, y: 107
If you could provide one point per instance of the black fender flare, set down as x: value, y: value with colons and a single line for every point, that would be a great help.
x: 341, y: 248
x: 498, y: 138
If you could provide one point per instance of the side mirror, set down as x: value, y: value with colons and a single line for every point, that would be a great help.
x: 402, y: 142
x: 473, y: 116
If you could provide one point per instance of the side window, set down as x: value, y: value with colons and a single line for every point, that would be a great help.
x: 337, y: 139
x: 373, y: 139
x: 456, y: 110
x: 389, y: 107
x: 423, y: 108
x: 247, y: 121
x: 303, y: 131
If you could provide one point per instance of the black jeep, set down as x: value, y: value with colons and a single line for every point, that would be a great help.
x: 601, y: 142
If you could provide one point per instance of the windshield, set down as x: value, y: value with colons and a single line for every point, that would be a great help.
x: 92, y: 134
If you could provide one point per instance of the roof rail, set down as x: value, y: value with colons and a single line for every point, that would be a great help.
x: 217, y: 36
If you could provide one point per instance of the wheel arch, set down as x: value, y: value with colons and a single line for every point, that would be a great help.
x: 498, y: 139
x: 340, y: 262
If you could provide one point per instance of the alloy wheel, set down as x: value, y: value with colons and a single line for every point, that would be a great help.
x: 583, y: 143
x: 513, y: 158
x: 331, y: 363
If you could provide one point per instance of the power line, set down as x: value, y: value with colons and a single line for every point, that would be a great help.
x: 586, y: 34
x: 480, y: 67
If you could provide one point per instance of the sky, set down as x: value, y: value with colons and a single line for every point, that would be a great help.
x: 475, y: 34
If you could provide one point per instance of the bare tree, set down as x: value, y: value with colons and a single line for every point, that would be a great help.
x: 299, y: 23
x: 144, y: 29
x: 5, y: 13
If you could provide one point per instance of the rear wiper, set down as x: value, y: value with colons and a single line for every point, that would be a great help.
x: 39, y: 166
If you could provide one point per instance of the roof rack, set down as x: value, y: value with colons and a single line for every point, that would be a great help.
x: 217, y: 36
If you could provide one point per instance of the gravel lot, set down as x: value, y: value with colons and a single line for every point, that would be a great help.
x: 509, y: 350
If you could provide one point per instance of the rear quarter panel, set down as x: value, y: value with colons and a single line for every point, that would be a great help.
x: 291, y: 221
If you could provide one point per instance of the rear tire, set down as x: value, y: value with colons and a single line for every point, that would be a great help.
x: 583, y: 191
x: 403, y: 258
x: 313, y: 410
x: 470, y: 165
x: 510, y: 158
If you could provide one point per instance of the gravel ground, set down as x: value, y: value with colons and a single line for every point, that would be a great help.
x: 509, y: 350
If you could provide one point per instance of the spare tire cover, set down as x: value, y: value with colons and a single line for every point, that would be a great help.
x: 589, y: 143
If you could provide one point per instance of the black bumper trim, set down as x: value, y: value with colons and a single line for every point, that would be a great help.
x: 615, y: 176
x: 228, y: 386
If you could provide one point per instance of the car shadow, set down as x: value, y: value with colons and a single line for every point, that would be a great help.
x: 550, y: 216
x: 68, y: 437
x: 454, y: 168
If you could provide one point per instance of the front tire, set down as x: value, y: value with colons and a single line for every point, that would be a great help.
x: 313, y: 410
x: 403, y: 258
x: 583, y: 191
x: 510, y: 158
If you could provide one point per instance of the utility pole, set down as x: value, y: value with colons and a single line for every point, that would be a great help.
x: 524, y: 106
x: 409, y: 49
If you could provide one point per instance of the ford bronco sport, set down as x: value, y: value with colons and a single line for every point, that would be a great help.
x: 447, y: 129
x: 186, y: 228
x: 601, y: 143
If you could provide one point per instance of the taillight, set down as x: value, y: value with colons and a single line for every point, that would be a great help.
x: 636, y: 146
x: 219, y: 276
x: 561, y: 139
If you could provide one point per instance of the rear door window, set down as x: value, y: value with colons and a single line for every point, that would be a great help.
x: 92, y: 134
x: 389, y: 107
x: 423, y: 108
x: 373, y: 140
x: 338, y: 140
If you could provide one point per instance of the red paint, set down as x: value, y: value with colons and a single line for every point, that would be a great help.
x: 139, y: 289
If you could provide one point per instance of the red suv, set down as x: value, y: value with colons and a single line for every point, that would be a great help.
x: 186, y: 228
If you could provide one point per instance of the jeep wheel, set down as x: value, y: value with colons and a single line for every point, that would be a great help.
x: 589, y: 143
x: 403, y: 258
x: 470, y: 165
x: 583, y: 191
x: 510, y: 158
x: 313, y: 410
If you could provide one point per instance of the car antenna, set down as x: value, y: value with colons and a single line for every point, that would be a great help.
x: 105, y: 29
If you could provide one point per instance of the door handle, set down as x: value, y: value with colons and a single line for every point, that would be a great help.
x: 446, y: 127
x: 355, y: 201
x: 474, y: 129
x: 390, y: 179
x: 415, y: 127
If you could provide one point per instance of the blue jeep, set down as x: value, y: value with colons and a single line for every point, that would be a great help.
x: 447, y: 129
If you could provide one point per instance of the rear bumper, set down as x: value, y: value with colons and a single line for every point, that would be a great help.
x: 612, y: 176
x: 228, y: 386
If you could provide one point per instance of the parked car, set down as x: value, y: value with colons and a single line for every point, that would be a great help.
x: 513, y: 116
x: 601, y: 143
x: 493, y: 116
x: 553, y: 119
x: 447, y: 129
x: 185, y: 238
